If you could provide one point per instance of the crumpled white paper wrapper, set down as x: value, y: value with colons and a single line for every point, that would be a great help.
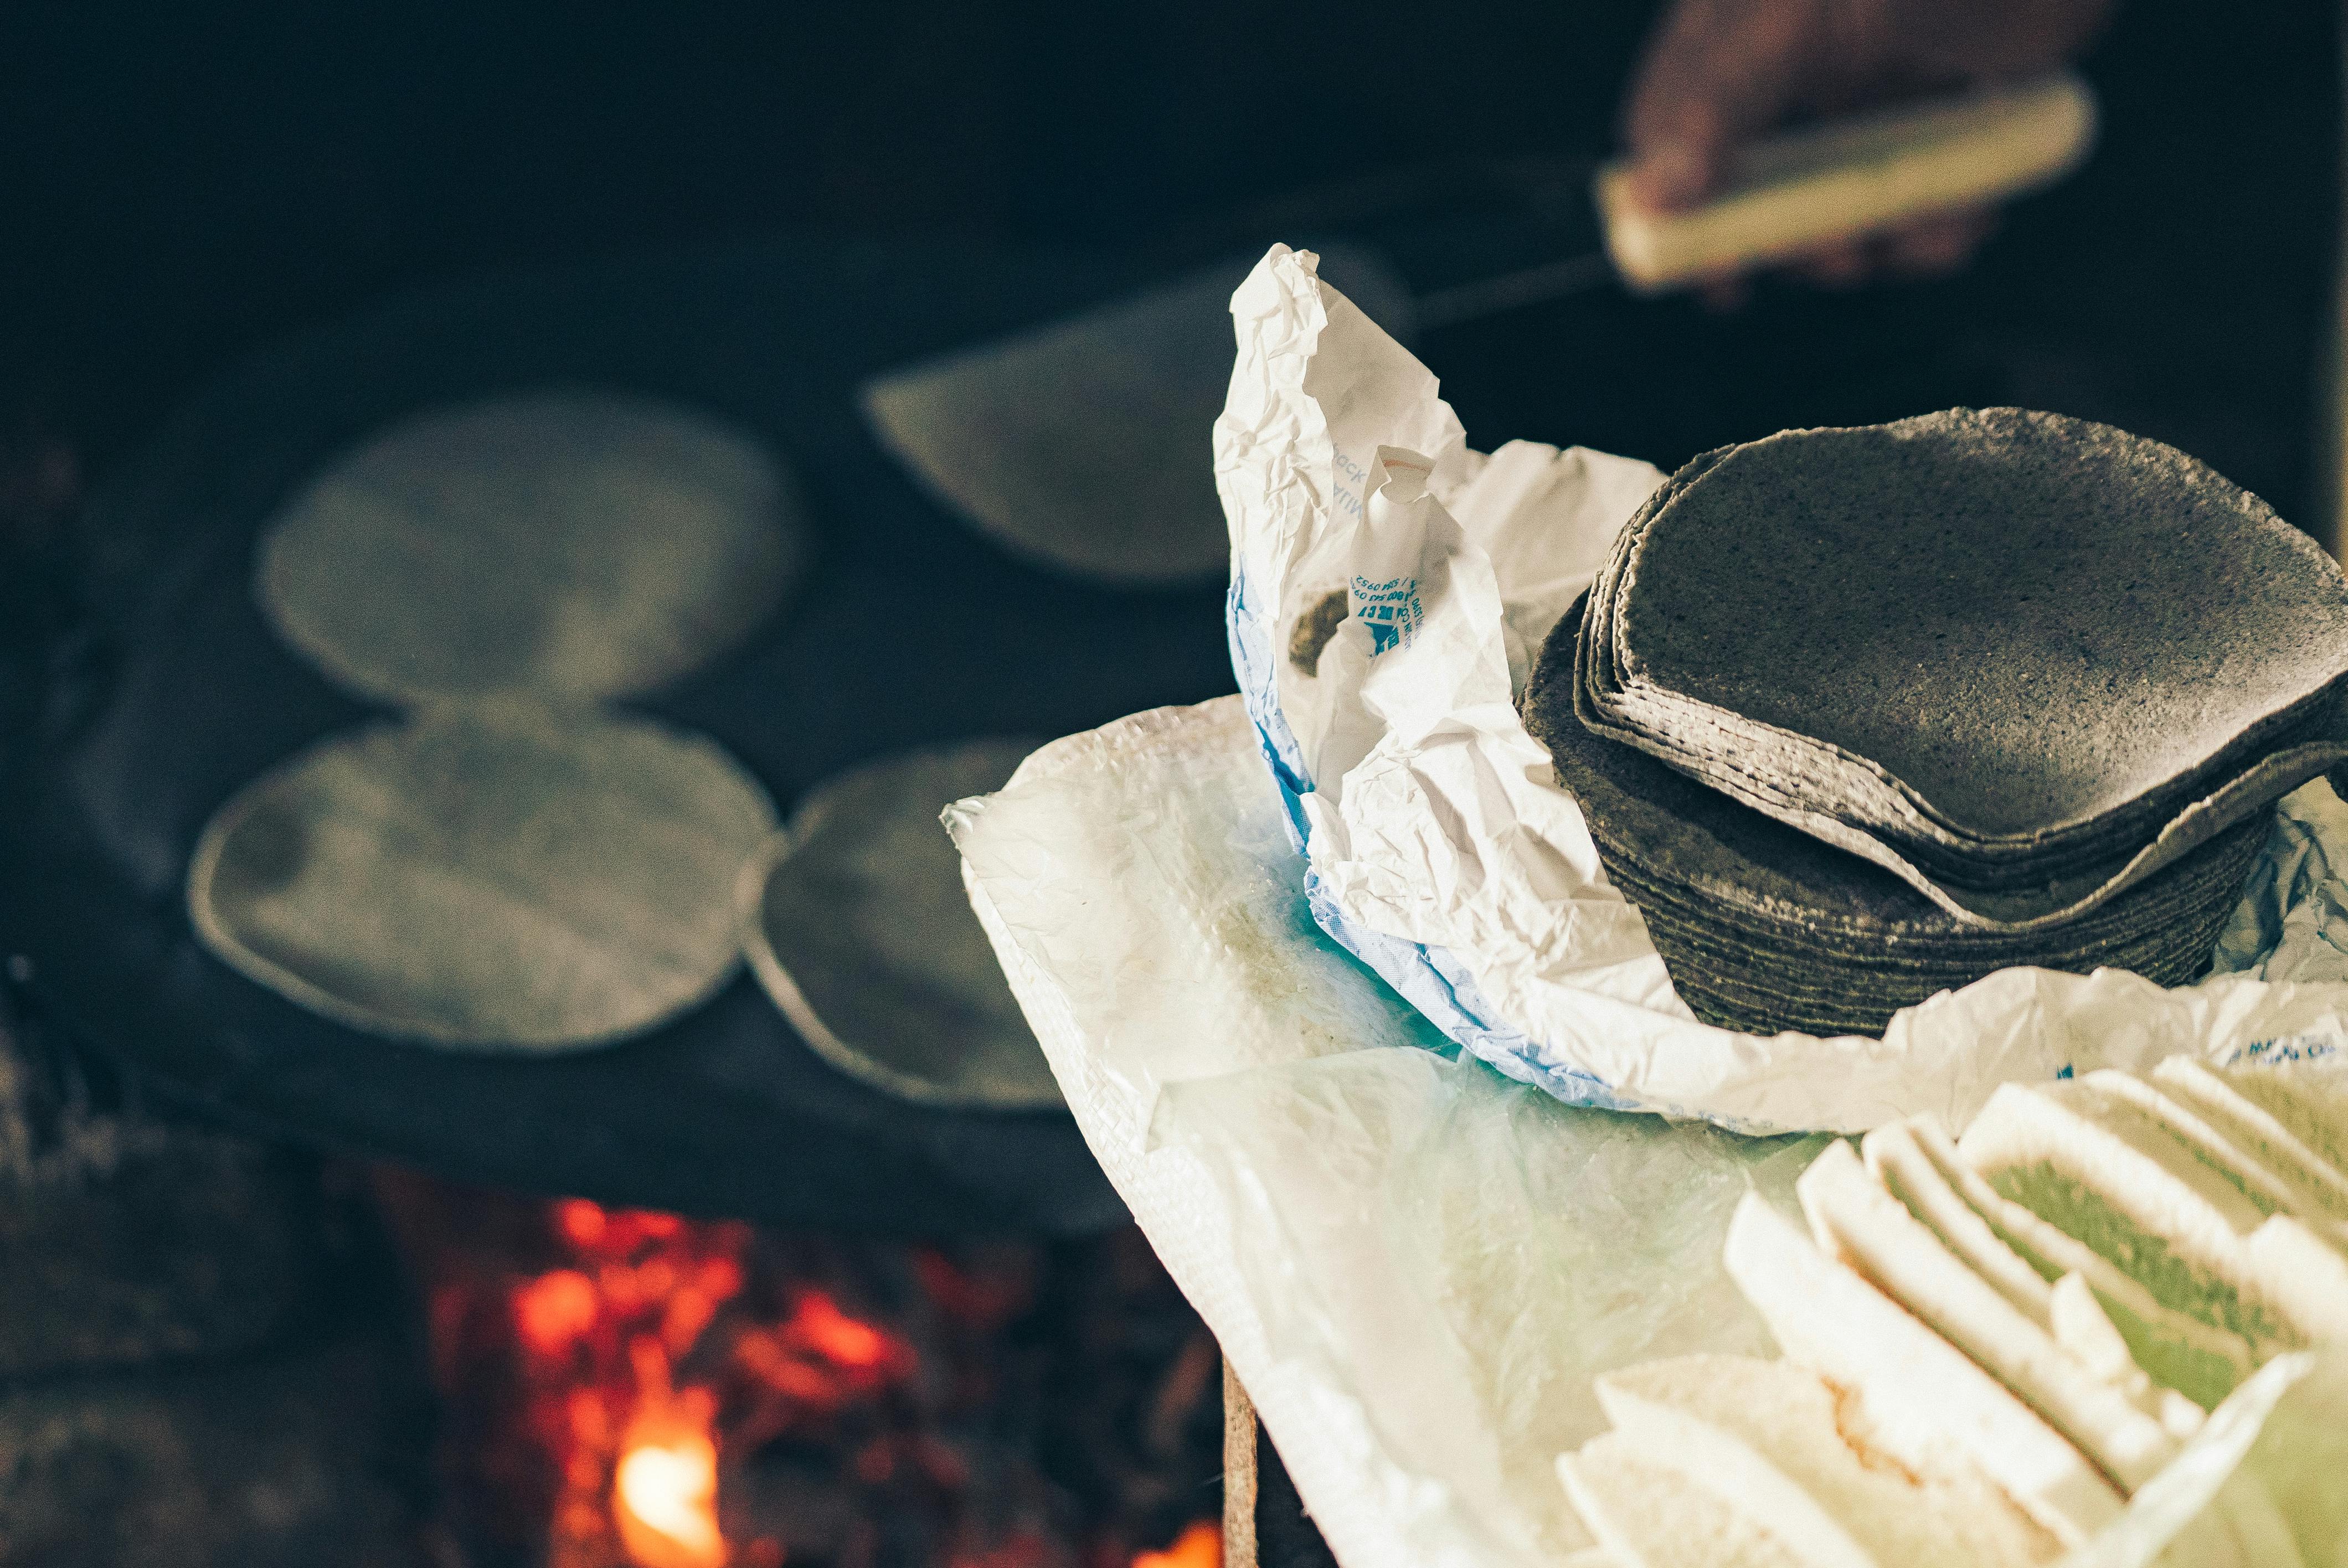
x: 1442, y: 851
x: 1416, y: 1264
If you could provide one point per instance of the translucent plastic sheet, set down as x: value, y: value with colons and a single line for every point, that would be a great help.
x: 1416, y: 1264
x: 2271, y: 1451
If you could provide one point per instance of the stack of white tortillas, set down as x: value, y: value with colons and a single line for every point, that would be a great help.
x: 1992, y: 1344
x: 510, y: 866
x: 2040, y: 676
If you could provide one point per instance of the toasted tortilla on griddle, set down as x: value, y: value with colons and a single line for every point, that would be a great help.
x: 856, y: 922
x: 491, y: 878
x: 571, y: 544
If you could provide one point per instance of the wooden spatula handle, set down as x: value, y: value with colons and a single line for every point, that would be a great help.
x: 1790, y: 194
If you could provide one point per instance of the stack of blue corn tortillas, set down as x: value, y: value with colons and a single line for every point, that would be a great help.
x: 1859, y: 715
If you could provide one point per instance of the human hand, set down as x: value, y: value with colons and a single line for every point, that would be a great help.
x: 1718, y: 73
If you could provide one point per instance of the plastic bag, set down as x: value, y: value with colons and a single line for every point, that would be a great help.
x: 1440, y: 849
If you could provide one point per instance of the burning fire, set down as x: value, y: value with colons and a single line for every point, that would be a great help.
x: 643, y: 1296
x: 649, y: 1391
x: 665, y: 1495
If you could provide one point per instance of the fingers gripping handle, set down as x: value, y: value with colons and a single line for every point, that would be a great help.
x: 1792, y: 193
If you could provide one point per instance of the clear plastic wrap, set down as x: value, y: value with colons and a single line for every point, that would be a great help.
x: 1416, y: 1264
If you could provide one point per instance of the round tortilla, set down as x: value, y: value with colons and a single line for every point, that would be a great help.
x: 1991, y: 633
x: 1765, y: 928
x: 495, y: 877
x: 857, y: 923
x: 574, y: 545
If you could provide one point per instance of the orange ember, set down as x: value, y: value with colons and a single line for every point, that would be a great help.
x: 1200, y: 1546
x: 581, y: 1222
x: 554, y: 1310
x: 837, y: 1335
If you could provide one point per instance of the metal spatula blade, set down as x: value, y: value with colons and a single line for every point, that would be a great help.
x: 1083, y: 445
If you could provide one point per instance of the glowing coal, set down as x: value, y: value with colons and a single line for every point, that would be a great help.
x: 664, y: 1489
x: 628, y: 1389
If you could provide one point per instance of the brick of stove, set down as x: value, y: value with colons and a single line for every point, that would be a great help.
x: 200, y: 1360
x: 132, y: 1239
x: 309, y: 1456
x: 179, y: 1247
x: 1266, y: 1525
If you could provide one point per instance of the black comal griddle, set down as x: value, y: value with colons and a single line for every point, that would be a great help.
x: 169, y: 693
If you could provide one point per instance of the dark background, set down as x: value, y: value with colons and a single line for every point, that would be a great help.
x: 180, y: 190
x: 181, y: 186
x: 178, y: 184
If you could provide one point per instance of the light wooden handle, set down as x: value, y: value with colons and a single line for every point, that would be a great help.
x: 1790, y: 194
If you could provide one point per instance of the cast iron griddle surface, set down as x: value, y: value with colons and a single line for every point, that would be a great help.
x: 908, y: 630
